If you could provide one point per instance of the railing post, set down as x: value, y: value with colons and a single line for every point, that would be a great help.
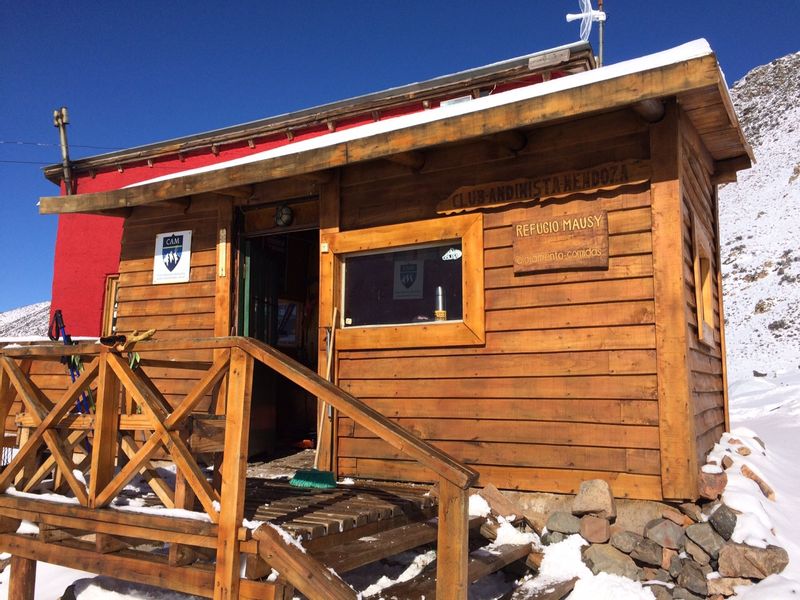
x: 22, y: 582
x: 234, y: 465
x: 104, y: 442
x: 6, y: 400
x: 452, y: 553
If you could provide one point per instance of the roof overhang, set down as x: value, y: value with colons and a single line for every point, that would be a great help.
x: 570, y: 58
x: 689, y: 73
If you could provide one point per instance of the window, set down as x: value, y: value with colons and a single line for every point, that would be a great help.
x: 392, y: 287
x: 410, y: 285
x: 703, y: 282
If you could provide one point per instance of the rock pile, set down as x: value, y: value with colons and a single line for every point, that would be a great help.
x: 685, y: 554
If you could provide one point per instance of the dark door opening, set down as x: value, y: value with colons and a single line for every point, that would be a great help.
x: 278, y: 304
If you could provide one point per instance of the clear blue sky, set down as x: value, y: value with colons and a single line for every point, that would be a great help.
x: 139, y: 72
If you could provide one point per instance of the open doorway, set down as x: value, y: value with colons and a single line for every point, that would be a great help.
x: 278, y: 304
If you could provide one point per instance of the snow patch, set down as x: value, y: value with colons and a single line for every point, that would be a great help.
x: 478, y: 507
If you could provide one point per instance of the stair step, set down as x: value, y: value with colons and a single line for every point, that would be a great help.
x: 372, y: 548
x: 482, y: 562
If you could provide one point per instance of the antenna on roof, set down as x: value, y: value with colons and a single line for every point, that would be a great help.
x: 588, y: 16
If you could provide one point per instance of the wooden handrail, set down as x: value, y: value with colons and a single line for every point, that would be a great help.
x: 53, y: 350
x: 438, y: 461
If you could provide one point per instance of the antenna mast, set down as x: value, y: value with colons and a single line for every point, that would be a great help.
x: 587, y: 16
x: 61, y: 120
x: 602, y: 32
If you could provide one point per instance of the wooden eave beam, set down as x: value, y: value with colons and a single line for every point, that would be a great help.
x: 725, y: 170
x: 414, y: 160
x: 512, y: 140
x: 600, y: 96
x: 316, y: 177
x: 239, y: 193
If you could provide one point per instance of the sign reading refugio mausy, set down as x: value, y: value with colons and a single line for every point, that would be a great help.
x: 172, y: 257
x: 571, y: 241
x: 584, y: 181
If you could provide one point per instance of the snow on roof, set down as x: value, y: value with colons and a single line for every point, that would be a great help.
x: 679, y: 54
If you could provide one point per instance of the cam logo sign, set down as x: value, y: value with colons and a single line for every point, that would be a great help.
x: 408, y: 279
x: 172, y: 257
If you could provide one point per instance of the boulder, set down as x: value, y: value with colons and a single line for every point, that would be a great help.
x: 595, y: 498
x: 681, y: 593
x: 723, y: 520
x: 704, y: 536
x: 675, y: 566
x: 553, y: 537
x: 648, y: 552
x: 693, y: 578
x: 724, y: 585
x: 625, y: 541
x: 739, y: 560
x: 653, y: 574
x: 594, y: 529
x: 659, y: 592
x: 698, y: 555
x: 675, y: 516
x: 762, y: 485
x: 605, y: 558
x: 563, y: 522
x: 711, y: 485
x: 691, y: 510
x: 727, y: 462
x: 667, y: 554
x: 665, y: 533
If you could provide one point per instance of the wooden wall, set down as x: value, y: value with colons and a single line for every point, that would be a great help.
x: 706, y: 380
x: 175, y: 310
x: 565, y: 387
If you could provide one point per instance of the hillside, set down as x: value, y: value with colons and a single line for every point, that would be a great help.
x: 25, y: 321
x: 760, y: 226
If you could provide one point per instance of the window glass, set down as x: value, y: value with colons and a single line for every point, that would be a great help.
x: 412, y: 285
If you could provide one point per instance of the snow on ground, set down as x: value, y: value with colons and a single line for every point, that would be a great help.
x: 770, y: 409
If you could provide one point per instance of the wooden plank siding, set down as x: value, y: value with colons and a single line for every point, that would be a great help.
x: 706, y: 360
x: 175, y: 310
x: 565, y: 387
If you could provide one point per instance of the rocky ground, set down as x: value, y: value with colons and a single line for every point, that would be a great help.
x: 760, y: 231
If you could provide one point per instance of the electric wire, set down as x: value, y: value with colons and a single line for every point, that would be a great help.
x: 52, y: 145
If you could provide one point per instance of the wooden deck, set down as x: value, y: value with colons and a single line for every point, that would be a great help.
x: 76, y: 473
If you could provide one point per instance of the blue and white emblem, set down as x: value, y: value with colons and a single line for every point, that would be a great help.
x: 171, y: 251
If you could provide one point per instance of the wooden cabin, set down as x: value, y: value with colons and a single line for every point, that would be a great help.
x: 518, y: 264
x: 505, y: 276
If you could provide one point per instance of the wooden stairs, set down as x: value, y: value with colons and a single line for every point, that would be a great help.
x: 315, y: 570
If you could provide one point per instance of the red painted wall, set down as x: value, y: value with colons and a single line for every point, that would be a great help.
x: 87, y: 249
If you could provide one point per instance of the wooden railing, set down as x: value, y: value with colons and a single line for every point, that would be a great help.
x: 133, y: 422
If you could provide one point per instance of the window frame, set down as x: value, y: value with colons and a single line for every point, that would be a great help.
x: 704, y: 281
x: 110, y: 302
x: 469, y: 330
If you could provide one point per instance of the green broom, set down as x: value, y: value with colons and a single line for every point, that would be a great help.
x: 314, y: 478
